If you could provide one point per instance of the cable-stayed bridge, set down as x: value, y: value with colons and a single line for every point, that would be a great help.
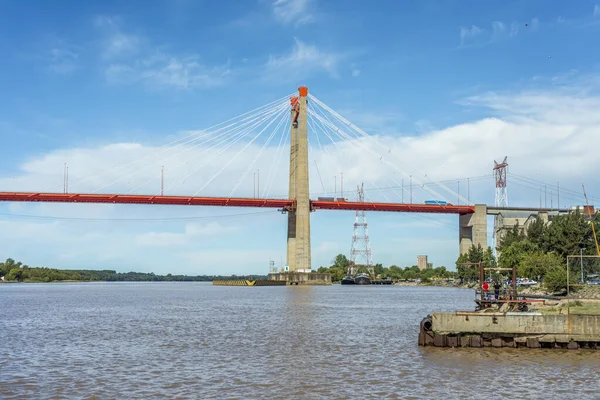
x: 299, y: 125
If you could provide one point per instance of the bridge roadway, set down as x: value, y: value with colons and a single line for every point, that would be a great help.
x: 285, y: 204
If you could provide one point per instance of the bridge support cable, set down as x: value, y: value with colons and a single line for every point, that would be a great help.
x: 356, y: 139
x: 183, y: 141
x: 314, y: 127
x: 282, y: 118
x: 345, y: 136
x: 360, y: 141
x: 275, y: 166
x: 237, y: 132
x: 229, y: 143
x: 365, y: 135
x: 217, y: 140
x: 311, y: 151
x: 282, y: 111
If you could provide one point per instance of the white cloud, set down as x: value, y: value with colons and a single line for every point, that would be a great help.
x: 169, y: 72
x: 596, y: 10
x: 293, y: 12
x: 467, y: 34
x: 191, y: 231
x: 303, y: 60
x: 534, y: 24
x: 498, y: 29
x: 514, y: 29
x: 356, y: 72
x: 115, y: 41
x: 63, y: 61
x: 133, y: 59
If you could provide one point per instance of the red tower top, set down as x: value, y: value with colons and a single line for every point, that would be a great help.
x: 303, y: 90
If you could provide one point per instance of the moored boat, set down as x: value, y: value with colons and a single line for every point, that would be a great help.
x: 348, y: 280
x: 362, y: 279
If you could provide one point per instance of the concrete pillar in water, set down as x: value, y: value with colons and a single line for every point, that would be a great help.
x: 303, y: 253
x: 291, y: 232
x: 473, y: 229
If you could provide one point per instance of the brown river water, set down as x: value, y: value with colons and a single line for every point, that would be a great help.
x: 195, y: 340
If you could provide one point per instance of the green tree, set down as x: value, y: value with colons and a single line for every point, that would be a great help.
x: 536, y: 265
x: 556, y: 279
x: 512, y: 236
x: 340, y: 261
x: 537, y: 233
x: 567, y: 232
x: 512, y: 255
x: 466, y: 269
x: 15, y: 274
x: 489, y: 260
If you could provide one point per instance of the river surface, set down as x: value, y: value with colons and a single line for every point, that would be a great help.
x: 195, y: 340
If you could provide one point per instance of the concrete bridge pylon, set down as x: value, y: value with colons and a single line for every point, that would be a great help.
x: 298, y: 237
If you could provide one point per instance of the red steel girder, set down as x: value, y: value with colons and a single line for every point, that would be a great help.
x: 145, y: 199
x: 286, y: 204
x: 391, y: 207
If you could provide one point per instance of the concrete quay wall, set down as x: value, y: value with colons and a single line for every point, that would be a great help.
x: 517, y: 323
x: 302, y: 278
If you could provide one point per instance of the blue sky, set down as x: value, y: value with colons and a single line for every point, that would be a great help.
x: 447, y: 87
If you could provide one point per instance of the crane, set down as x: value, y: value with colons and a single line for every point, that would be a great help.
x: 591, y: 220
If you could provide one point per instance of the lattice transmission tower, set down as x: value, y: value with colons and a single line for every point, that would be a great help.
x: 500, y: 177
x: 360, y: 254
x: 501, y: 198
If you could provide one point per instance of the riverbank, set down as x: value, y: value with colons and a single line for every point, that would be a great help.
x: 575, y: 292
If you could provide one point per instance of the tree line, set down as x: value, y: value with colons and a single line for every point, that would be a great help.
x: 17, y: 271
x: 340, y: 264
x: 540, y: 251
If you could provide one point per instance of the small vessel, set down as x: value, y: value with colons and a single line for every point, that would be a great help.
x: 348, y: 280
x: 362, y: 279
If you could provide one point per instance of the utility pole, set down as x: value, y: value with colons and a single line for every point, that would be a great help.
x: 342, y: 184
x: 581, y: 248
x: 67, y: 181
x: 65, y: 178
x: 411, y: 189
x: 162, y: 181
x: 468, y: 190
x: 258, y: 182
x: 335, y: 186
x: 402, y: 190
x: 545, y: 197
x: 557, y: 196
x: 540, y: 198
x: 254, y: 186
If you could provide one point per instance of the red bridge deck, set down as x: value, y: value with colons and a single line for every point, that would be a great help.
x: 227, y: 202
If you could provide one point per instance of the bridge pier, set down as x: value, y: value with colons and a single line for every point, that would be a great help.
x: 473, y: 229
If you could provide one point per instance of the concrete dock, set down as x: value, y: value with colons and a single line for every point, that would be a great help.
x: 510, y: 329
